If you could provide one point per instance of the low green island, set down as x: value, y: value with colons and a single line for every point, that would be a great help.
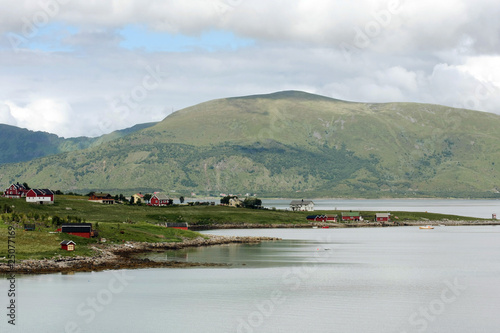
x: 119, y: 225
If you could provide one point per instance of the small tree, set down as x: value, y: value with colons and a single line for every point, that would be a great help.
x: 26, y: 186
x: 181, y: 199
x: 147, y: 197
x: 252, y: 203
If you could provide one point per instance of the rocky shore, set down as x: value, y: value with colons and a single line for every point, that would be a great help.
x: 119, y: 256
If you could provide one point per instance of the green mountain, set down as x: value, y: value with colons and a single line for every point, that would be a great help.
x: 289, y: 144
x: 21, y: 145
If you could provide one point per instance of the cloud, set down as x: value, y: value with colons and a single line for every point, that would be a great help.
x: 81, y: 67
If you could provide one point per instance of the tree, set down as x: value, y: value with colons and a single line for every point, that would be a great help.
x: 147, y: 197
x: 181, y: 199
x: 252, y: 203
x: 26, y: 186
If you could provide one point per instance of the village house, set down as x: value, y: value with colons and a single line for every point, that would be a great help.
x: 104, y: 198
x: 160, y: 199
x: 235, y: 202
x: 138, y: 197
x: 351, y: 216
x: 382, y: 217
x: 302, y: 205
x: 15, y: 191
x: 78, y: 229
x: 68, y: 245
x: 40, y: 196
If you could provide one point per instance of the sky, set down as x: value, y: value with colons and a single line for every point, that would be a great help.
x: 86, y: 68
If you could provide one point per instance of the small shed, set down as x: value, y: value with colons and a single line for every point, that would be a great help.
x: 68, y: 245
x: 29, y: 227
x: 382, y: 217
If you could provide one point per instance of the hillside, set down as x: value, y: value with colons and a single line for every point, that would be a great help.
x: 289, y: 144
x: 21, y: 145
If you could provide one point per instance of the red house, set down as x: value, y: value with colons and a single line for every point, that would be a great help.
x: 40, y: 196
x: 160, y: 199
x: 68, y: 245
x: 15, y: 191
x: 382, y: 217
x: 78, y: 229
x: 322, y: 218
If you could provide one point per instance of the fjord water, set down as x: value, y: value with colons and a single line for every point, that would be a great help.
x: 483, y: 208
x: 398, y: 279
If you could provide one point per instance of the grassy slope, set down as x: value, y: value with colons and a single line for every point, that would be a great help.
x: 398, y: 149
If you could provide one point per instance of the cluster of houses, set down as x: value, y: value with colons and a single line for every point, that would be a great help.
x: 308, y: 206
x: 39, y: 196
x: 157, y: 199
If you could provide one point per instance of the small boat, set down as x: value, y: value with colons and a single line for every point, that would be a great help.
x: 427, y: 227
x: 326, y: 227
x: 315, y: 227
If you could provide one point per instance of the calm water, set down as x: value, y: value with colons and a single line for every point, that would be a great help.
x: 315, y: 280
x: 462, y: 207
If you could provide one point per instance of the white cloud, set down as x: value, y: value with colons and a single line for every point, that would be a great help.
x: 401, y: 50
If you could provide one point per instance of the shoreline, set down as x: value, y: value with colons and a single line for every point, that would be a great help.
x: 120, y: 256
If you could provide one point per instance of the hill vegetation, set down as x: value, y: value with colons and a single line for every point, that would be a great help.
x: 289, y: 144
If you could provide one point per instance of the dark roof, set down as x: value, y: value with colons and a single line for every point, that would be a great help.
x: 67, y: 242
x: 76, y: 227
x: 42, y: 192
x: 102, y: 195
x: 177, y: 225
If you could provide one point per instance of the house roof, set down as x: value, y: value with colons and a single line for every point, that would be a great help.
x: 139, y: 195
x: 161, y: 196
x: 382, y: 214
x: 67, y: 242
x: 102, y: 195
x: 301, y: 202
x: 42, y: 192
x: 177, y: 225
x: 350, y: 214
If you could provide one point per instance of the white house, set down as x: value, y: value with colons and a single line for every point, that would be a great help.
x: 302, y: 205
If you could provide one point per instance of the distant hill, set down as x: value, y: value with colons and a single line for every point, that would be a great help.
x: 290, y: 144
x: 21, y: 145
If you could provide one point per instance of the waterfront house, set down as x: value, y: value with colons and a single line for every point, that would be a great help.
x: 15, y: 191
x: 68, y: 245
x: 382, y: 217
x: 351, y: 216
x: 40, y: 196
x: 104, y: 198
x: 322, y: 218
x: 302, y: 205
x: 78, y: 229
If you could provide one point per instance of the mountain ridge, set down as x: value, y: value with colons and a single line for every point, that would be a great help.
x: 290, y: 144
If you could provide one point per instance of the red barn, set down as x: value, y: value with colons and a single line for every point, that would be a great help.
x: 68, y: 245
x: 15, y: 191
x: 40, y: 196
x: 78, y: 229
